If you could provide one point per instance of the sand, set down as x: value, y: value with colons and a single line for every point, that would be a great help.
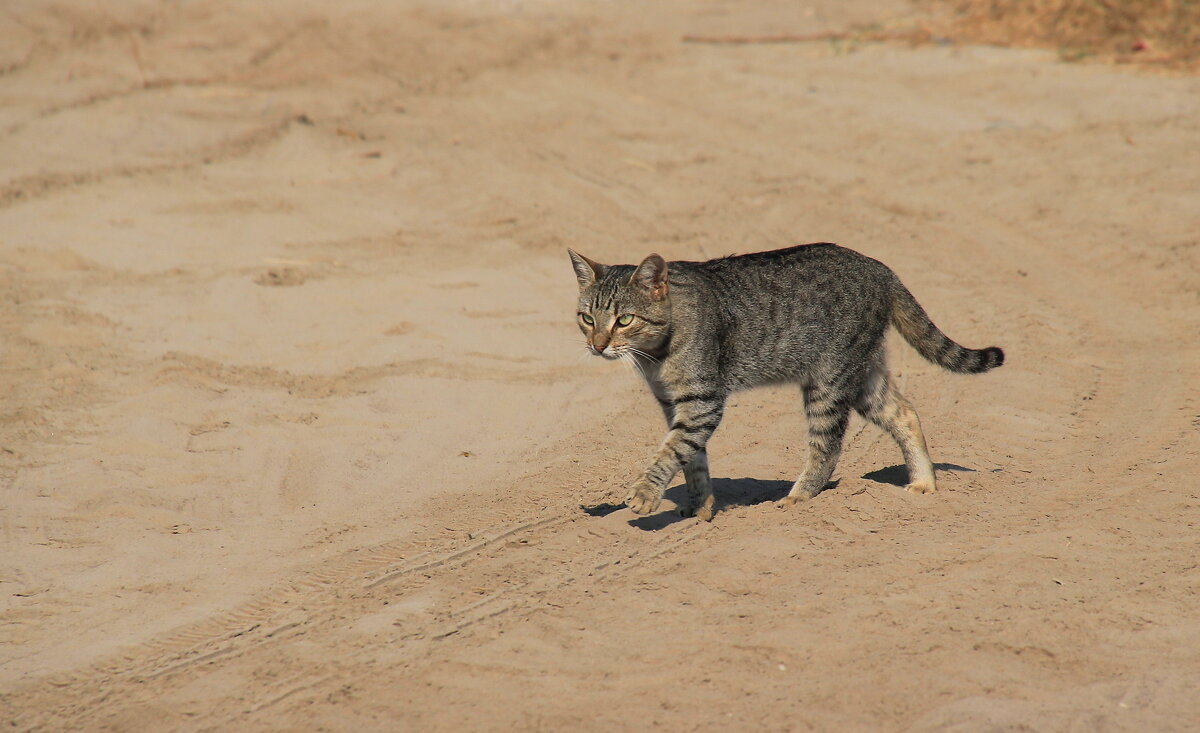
x: 297, y: 431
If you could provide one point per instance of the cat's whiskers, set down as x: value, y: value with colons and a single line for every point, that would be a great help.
x: 643, y: 354
x: 632, y: 361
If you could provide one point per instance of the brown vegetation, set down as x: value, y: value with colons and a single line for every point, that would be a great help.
x: 1164, y: 33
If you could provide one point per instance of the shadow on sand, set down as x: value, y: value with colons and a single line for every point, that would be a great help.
x: 732, y: 492
x: 898, y: 475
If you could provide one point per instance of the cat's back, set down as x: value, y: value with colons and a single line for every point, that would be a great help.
x: 778, y: 315
x: 822, y: 265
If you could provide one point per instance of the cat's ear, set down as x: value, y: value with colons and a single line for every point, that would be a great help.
x: 651, y: 275
x: 587, y: 271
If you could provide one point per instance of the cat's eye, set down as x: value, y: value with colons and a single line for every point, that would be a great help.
x: 587, y: 319
x: 625, y: 320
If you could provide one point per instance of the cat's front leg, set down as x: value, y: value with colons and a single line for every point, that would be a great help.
x: 700, y: 496
x: 695, y: 417
x: 643, y: 497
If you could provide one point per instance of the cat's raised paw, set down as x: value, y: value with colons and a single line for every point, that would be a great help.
x: 643, y: 497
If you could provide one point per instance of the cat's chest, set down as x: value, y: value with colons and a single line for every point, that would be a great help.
x: 679, y: 371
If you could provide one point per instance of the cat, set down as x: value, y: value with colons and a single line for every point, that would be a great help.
x: 814, y: 315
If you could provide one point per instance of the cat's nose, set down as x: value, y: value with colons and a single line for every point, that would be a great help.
x: 599, y: 344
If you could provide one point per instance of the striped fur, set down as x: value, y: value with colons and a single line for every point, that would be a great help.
x: 910, y: 320
x: 813, y: 315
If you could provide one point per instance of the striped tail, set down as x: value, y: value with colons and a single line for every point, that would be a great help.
x: 910, y: 320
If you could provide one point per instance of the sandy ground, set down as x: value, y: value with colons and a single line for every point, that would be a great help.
x: 297, y: 432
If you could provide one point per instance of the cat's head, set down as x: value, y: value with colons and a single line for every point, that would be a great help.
x: 623, y: 310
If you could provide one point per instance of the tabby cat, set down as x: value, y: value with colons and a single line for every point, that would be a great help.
x: 814, y: 315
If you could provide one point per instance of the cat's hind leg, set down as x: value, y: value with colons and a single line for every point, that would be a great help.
x: 882, y: 404
x: 828, y: 411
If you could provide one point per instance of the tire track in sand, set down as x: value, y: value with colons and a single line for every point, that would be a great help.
x: 504, y: 570
x: 28, y: 188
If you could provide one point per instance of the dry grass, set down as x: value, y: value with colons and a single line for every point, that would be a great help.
x: 1159, y: 34
x: 1163, y: 33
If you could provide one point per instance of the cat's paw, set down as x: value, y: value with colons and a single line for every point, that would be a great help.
x: 920, y: 487
x: 643, y: 497
x: 704, y: 513
x: 790, y: 501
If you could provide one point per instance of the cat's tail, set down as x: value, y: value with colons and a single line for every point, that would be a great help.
x: 910, y: 320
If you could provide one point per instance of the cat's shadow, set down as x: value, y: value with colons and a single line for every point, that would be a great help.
x: 734, y: 492
x: 898, y: 475
x: 730, y: 492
